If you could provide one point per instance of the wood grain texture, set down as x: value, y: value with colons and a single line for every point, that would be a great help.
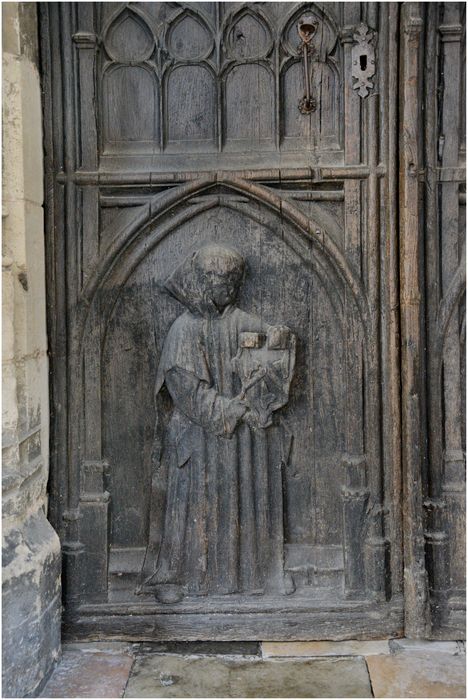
x: 173, y: 126
x: 445, y: 313
x: 415, y: 575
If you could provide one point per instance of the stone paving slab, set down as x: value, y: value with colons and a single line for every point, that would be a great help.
x: 92, y: 674
x: 303, y: 649
x: 399, y: 646
x: 418, y: 675
x: 156, y: 676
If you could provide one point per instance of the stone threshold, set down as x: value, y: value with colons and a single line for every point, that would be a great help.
x: 358, y: 648
x: 378, y: 668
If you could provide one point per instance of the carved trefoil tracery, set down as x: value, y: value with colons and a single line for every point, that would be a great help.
x: 239, y: 69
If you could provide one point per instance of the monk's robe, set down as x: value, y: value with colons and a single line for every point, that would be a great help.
x: 222, y: 526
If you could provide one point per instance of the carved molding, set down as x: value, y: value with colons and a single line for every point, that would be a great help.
x: 160, y: 206
x: 153, y: 51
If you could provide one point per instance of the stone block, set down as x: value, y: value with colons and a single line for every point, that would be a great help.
x: 29, y: 36
x: 36, y: 391
x: 31, y: 549
x: 200, y: 648
x: 31, y: 605
x: 10, y: 34
x: 22, y: 131
x: 24, y: 490
x: 14, y: 234
x: 157, y: 676
x: 399, y: 646
x: 32, y: 135
x: 23, y: 242
x: 311, y: 649
x: 89, y: 675
x: 8, y: 304
x: 418, y: 675
x: 9, y: 407
x: 12, y: 144
x: 33, y: 280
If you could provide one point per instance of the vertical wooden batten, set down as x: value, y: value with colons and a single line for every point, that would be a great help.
x: 390, y: 290
x: 412, y: 380
x: 444, y: 314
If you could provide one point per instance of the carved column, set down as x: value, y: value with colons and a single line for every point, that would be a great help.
x: 437, y: 558
x: 354, y: 491
x: 355, y: 500
x: 453, y: 476
x: 94, y: 506
x: 445, y: 507
x: 376, y: 546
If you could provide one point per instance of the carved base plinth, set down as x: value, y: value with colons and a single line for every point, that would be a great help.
x: 376, y: 562
x: 72, y: 566
x: 93, y: 528
x: 354, y: 515
x: 437, y: 557
x: 355, y: 498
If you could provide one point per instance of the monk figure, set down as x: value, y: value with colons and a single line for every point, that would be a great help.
x: 217, y: 529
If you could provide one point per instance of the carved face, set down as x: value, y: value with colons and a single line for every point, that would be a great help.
x: 221, y: 273
x: 208, y: 279
x: 221, y: 287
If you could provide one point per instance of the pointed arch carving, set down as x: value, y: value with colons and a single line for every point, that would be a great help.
x: 257, y: 18
x: 327, y: 35
x: 145, y: 41
x: 180, y: 53
x: 326, y: 84
x: 115, y: 259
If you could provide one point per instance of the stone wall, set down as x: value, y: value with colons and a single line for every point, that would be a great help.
x: 31, y: 550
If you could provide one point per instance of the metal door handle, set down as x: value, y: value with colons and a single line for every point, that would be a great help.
x: 306, y: 28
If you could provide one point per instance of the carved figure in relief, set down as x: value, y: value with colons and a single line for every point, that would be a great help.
x: 227, y: 372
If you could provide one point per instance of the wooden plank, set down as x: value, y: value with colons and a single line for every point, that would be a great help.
x: 381, y: 622
x: 415, y: 576
x: 390, y: 327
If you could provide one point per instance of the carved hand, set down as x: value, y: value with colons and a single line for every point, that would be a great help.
x: 238, y: 407
x: 233, y: 412
x: 251, y: 420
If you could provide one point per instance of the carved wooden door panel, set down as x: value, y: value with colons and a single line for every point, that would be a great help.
x: 223, y: 285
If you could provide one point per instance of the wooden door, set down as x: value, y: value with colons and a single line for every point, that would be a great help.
x: 223, y: 290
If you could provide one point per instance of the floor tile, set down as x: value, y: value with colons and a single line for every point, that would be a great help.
x: 171, y: 676
x: 89, y: 675
x: 418, y: 675
x: 350, y: 648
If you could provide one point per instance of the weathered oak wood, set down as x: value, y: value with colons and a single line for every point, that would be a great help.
x: 445, y: 313
x: 412, y: 358
x: 175, y: 127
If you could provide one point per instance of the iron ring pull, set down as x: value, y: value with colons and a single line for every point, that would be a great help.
x: 306, y: 28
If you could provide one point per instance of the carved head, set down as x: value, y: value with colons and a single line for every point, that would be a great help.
x: 221, y: 271
x: 208, y: 280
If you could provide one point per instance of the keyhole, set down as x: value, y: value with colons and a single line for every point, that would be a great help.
x: 363, y: 61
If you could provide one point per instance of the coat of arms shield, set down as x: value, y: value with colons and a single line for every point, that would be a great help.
x: 265, y: 365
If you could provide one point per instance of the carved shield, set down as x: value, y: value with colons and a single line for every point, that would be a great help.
x: 265, y: 365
